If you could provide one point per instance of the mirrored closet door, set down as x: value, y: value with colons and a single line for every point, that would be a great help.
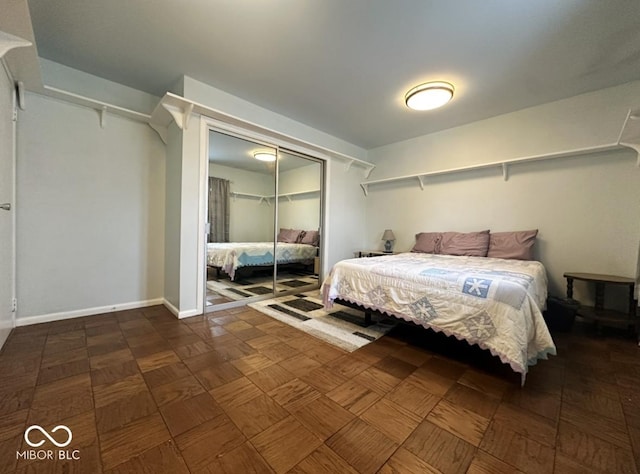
x: 264, y: 218
x: 299, y: 217
x: 241, y: 216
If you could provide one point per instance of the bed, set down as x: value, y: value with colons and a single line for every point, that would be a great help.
x: 492, y: 302
x: 231, y: 256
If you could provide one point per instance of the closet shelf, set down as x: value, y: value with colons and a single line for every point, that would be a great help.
x: 261, y: 197
x: 267, y: 198
x: 298, y: 193
x: 174, y: 108
x: 99, y: 106
x: 629, y: 138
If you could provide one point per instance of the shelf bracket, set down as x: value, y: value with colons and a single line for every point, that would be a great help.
x: 9, y: 42
x: 103, y: 116
x: 161, y: 131
x: 367, y: 171
x: 180, y: 115
x: 288, y: 198
x: 421, y: 181
x: 635, y: 147
x: 632, y: 138
x: 365, y: 188
x: 505, y: 171
x: 347, y: 165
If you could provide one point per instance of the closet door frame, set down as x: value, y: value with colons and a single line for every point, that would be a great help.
x: 208, y: 124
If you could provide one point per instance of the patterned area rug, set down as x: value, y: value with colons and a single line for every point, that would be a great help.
x: 259, y: 285
x: 341, y: 326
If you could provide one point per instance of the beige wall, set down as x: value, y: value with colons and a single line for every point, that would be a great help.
x: 586, y: 208
x: 91, y: 213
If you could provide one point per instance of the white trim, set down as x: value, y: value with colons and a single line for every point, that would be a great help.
x: 14, y: 194
x: 161, y: 118
x: 180, y: 314
x: 167, y: 304
x: 189, y: 314
x: 203, y: 186
x: 45, y: 318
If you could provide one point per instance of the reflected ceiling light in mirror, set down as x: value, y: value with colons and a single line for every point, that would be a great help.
x: 264, y: 155
x: 429, y: 95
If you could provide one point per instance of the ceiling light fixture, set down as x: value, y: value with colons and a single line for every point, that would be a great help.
x: 264, y: 156
x: 429, y: 95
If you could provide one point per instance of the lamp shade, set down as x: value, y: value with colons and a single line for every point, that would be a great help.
x: 388, y: 235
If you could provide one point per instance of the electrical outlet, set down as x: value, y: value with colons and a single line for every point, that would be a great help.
x: 14, y: 305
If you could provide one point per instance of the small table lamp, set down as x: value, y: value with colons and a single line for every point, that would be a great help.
x: 388, y: 238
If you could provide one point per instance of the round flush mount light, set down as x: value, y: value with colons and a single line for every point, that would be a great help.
x: 264, y: 156
x: 429, y: 95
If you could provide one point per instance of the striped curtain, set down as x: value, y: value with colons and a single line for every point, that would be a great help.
x: 218, y: 210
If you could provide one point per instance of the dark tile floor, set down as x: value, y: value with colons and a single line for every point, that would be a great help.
x: 236, y: 392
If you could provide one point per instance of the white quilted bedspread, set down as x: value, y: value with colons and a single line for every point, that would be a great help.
x: 494, y: 303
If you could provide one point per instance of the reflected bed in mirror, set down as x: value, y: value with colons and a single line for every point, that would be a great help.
x: 241, y: 270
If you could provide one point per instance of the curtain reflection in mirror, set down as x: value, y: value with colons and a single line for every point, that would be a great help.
x: 219, y: 209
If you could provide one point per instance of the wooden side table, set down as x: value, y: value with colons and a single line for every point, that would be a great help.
x: 598, y: 313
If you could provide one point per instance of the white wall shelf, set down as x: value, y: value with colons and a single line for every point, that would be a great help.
x: 175, y: 108
x: 288, y: 196
x: 260, y: 197
x: 629, y: 138
x: 268, y: 198
x: 99, y: 106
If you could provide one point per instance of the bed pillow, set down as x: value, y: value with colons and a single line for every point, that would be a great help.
x: 472, y: 244
x: 289, y: 236
x: 514, y: 245
x: 310, y: 237
x: 427, y: 242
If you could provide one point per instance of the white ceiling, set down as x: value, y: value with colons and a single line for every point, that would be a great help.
x: 343, y: 66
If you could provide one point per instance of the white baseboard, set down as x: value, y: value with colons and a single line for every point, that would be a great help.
x: 189, y: 314
x: 180, y: 314
x: 170, y: 307
x: 45, y: 318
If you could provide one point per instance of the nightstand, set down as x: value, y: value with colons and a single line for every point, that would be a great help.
x: 372, y: 253
x: 598, y: 313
